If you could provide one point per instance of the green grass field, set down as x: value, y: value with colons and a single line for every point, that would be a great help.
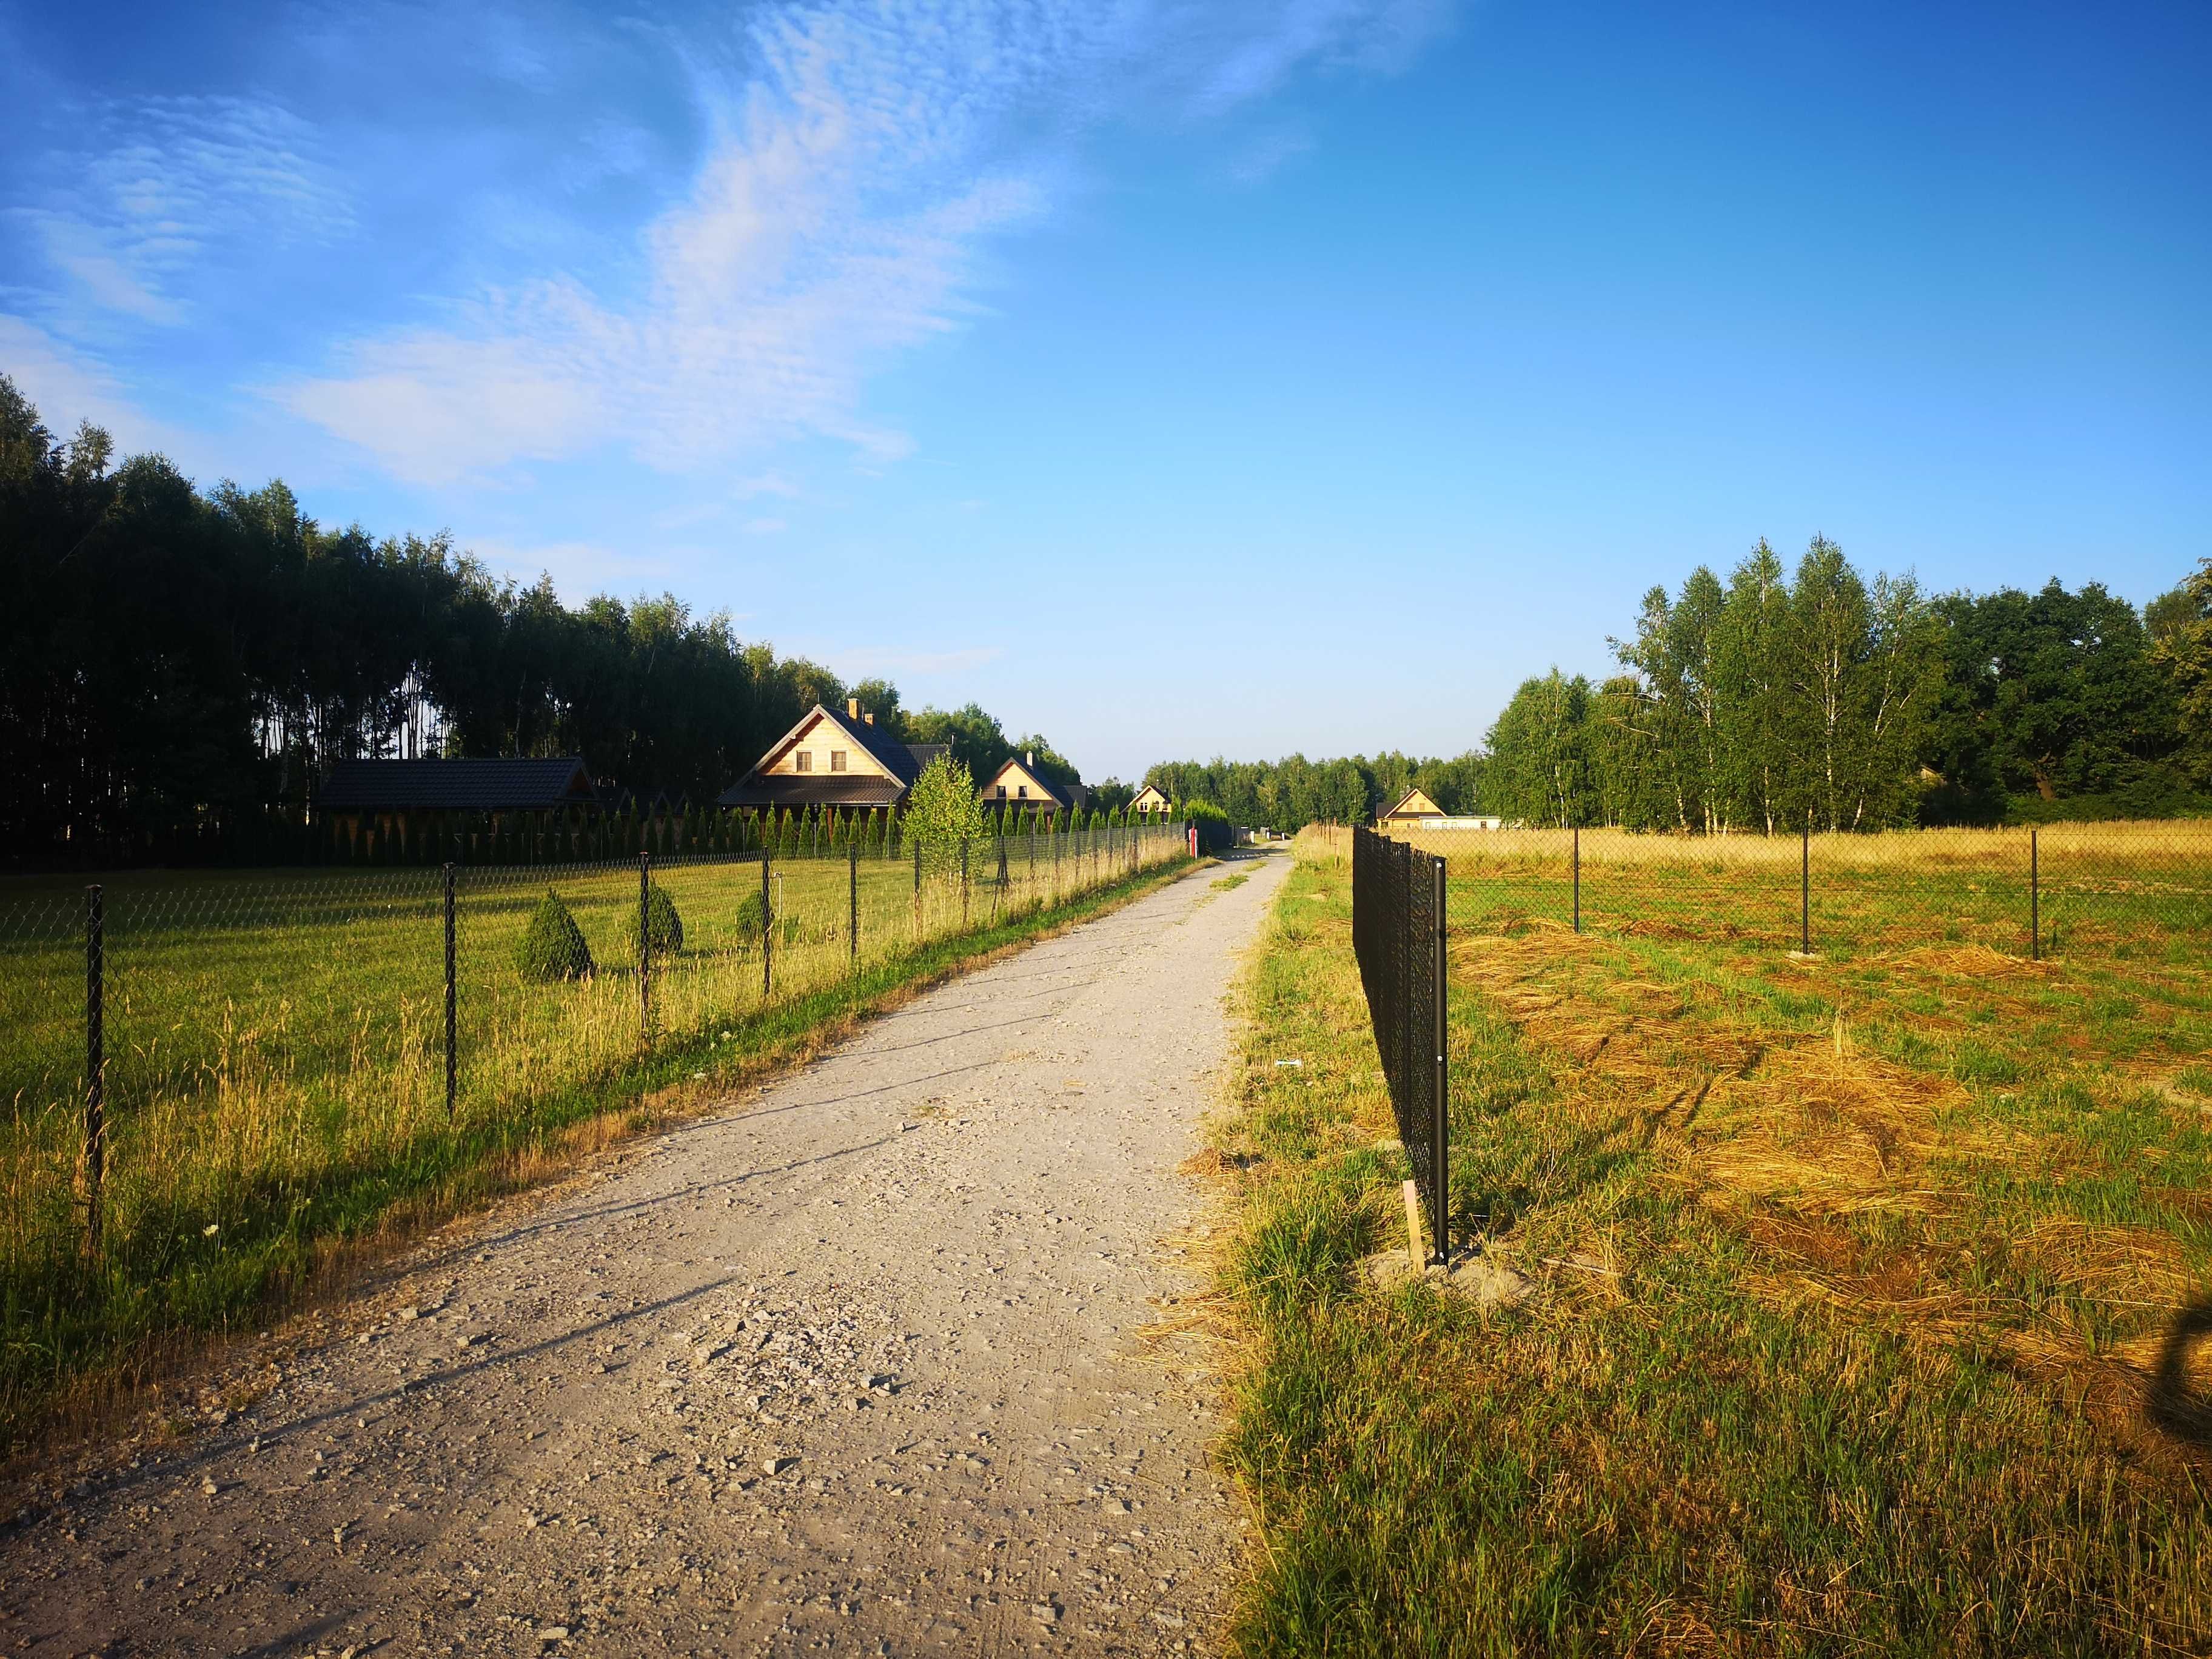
x: 1866, y: 1297
x: 276, y: 1070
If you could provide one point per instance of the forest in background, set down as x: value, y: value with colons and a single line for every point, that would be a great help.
x: 174, y: 661
x: 1777, y: 698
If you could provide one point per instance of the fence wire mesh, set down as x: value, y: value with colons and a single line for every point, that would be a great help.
x: 275, y: 1040
x: 1398, y: 936
x: 2131, y: 889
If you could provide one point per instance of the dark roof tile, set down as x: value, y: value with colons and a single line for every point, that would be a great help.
x: 456, y: 785
x: 811, y: 789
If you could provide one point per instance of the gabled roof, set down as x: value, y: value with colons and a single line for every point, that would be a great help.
x: 1062, y: 795
x: 1144, y: 790
x: 903, y: 761
x: 1415, y: 803
x: 456, y: 785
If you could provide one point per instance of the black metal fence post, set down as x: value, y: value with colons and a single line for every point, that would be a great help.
x: 1805, y: 889
x: 768, y: 929
x: 1440, y: 1199
x: 1400, y: 865
x: 452, y: 1007
x: 1578, y: 877
x: 644, y: 952
x: 853, y: 895
x: 917, y: 892
x: 963, y: 884
x: 96, y: 1060
x: 2034, y: 900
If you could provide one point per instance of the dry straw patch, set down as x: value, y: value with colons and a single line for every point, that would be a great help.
x: 1798, y: 1143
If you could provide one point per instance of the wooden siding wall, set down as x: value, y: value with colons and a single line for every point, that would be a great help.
x: 819, y: 740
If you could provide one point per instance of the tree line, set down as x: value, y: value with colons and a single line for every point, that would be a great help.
x: 1777, y: 698
x: 1289, y: 795
x: 176, y: 662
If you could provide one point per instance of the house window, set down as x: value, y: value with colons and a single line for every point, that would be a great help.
x: 837, y: 760
x: 1002, y: 792
x: 1022, y: 792
x: 803, y: 762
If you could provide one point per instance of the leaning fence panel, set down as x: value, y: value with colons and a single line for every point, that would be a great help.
x: 1398, y: 932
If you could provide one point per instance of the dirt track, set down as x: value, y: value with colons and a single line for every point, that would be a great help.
x: 857, y: 1368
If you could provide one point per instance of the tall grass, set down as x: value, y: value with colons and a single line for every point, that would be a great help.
x: 276, y: 1078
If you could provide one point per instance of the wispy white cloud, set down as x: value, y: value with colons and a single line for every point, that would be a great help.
x: 1261, y: 160
x: 762, y: 526
x: 763, y: 483
x: 140, y: 212
x: 578, y: 569
x: 67, y: 385
x: 682, y: 518
x: 861, y: 159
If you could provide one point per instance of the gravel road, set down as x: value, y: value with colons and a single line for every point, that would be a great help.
x: 859, y: 1366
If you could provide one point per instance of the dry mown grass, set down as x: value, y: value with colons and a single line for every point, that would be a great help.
x: 1799, y: 1140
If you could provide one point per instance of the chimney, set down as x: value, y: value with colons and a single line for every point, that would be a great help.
x: 851, y: 708
x: 870, y: 717
x: 1029, y: 760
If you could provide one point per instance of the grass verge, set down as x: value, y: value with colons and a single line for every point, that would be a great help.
x: 1859, y: 1316
x: 71, y: 1349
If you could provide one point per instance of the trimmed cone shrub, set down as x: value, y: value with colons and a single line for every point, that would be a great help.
x: 752, y: 919
x: 553, y: 948
x: 663, y: 926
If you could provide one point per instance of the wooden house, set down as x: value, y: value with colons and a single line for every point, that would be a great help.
x: 1150, y: 800
x: 1018, y: 783
x: 1414, y: 809
x: 829, y: 759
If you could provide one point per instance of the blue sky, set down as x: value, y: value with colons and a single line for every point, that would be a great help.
x: 1174, y: 378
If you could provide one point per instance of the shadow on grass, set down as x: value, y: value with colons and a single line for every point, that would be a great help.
x: 2173, y: 1404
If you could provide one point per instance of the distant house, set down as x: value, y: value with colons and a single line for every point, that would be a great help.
x: 1415, y: 808
x: 1150, y: 800
x: 385, y: 789
x: 1416, y: 811
x: 1018, y: 783
x: 845, y: 761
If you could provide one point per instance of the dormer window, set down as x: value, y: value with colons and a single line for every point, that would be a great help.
x: 803, y: 762
x: 837, y: 760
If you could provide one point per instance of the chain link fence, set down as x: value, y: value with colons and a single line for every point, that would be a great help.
x: 1398, y: 913
x: 187, y: 1057
x: 2124, y: 890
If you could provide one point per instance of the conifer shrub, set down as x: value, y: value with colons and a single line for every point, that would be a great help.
x: 553, y: 948
x: 664, y: 926
x: 752, y: 919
